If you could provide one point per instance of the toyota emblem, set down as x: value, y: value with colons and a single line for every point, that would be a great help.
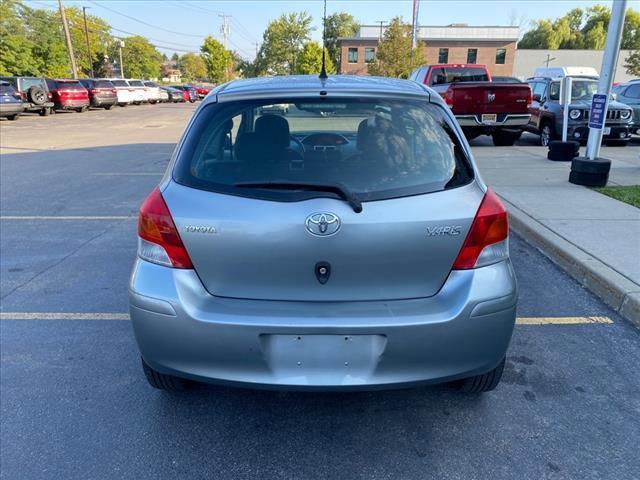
x: 322, y: 224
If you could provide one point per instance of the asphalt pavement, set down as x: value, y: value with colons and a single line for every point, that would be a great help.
x: 74, y: 403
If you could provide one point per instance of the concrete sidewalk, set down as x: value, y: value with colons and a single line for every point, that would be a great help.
x: 593, y: 237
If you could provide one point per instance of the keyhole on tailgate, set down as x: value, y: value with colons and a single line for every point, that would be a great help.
x: 323, y: 272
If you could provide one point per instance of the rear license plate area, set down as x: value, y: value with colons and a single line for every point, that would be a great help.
x: 489, y: 118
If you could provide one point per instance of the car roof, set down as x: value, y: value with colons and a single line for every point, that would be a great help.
x: 304, y: 85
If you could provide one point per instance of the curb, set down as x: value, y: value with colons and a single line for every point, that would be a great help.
x: 614, y: 289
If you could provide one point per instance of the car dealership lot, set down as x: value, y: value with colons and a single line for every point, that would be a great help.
x: 74, y: 402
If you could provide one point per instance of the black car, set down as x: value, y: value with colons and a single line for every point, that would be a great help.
x: 102, y: 93
x: 34, y: 92
x: 175, y: 95
x: 11, y: 105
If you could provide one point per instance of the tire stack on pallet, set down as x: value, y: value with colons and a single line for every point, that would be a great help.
x: 590, y: 173
x: 563, y: 151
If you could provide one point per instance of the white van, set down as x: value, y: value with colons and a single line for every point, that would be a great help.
x: 560, y: 72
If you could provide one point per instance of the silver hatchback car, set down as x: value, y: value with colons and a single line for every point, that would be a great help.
x: 345, y: 243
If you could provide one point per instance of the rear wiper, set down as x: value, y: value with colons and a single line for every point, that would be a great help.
x: 340, y: 190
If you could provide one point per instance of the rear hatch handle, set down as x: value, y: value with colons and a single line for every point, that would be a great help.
x: 338, y: 189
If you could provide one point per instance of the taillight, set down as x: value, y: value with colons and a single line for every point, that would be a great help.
x: 448, y: 98
x: 487, y: 240
x: 95, y: 90
x: 24, y: 96
x: 114, y: 90
x: 159, y: 241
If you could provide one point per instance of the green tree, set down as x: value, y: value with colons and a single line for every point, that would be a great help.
x: 282, y: 42
x: 310, y: 60
x: 15, y: 42
x: 100, y: 39
x: 192, y: 67
x: 543, y: 36
x: 394, y: 57
x: 217, y: 60
x: 338, y: 25
x: 140, y: 58
x: 632, y: 63
x: 48, y: 45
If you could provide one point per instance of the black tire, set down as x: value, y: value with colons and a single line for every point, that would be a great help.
x: 37, y: 95
x: 504, y: 139
x: 81, y: 109
x: 45, y: 112
x: 547, y: 134
x: 481, y: 383
x: 567, y: 148
x: 560, y: 156
x: 13, y: 117
x: 108, y: 107
x: 584, y: 165
x: 589, y: 179
x: 616, y: 143
x: 161, y: 381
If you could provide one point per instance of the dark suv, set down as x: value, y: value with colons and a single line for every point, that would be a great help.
x: 102, y: 93
x: 34, y: 93
x: 11, y: 105
x: 547, y: 112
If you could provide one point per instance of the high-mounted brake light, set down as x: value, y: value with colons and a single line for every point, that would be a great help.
x: 159, y: 241
x: 487, y: 240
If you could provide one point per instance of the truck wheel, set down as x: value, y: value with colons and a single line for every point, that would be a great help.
x: 546, y: 134
x: 13, y: 117
x: 481, y: 383
x: 161, y: 381
x: 504, y: 139
x: 45, y: 112
x: 108, y: 107
x: 37, y: 95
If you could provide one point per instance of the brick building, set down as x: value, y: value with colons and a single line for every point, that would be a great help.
x: 494, y: 47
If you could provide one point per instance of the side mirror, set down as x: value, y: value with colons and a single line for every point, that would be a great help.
x: 537, y: 97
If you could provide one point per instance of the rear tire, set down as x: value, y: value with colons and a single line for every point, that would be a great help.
x: 481, y: 383
x: 13, y: 117
x: 546, y: 134
x: 45, y: 112
x: 504, y: 139
x: 161, y: 381
x: 108, y: 107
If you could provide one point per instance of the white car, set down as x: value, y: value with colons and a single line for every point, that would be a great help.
x: 139, y: 91
x: 164, y: 95
x: 124, y: 91
x: 152, y: 92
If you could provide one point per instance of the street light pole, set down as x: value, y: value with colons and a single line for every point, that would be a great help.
x: 120, y: 47
x: 86, y: 35
x: 607, y: 71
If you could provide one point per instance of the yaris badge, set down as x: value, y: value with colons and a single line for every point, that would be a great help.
x: 322, y: 224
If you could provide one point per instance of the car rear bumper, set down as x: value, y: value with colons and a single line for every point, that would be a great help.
x: 102, y: 101
x: 182, y: 330
x: 502, y: 120
x: 7, y: 109
x: 71, y: 104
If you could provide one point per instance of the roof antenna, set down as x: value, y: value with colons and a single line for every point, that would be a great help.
x: 323, y: 73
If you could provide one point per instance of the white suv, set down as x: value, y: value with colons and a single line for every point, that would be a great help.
x: 124, y: 91
x: 152, y: 92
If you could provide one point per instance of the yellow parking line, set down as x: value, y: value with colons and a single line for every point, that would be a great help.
x: 125, y: 316
x: 561, y: 320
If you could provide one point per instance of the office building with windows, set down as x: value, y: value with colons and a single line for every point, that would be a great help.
x: 493, y: 46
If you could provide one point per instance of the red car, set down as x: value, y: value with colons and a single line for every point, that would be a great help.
x: 202, y: 92
x: 68, y: 94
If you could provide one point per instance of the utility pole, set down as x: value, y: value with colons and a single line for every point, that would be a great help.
x: 257, y: 45
x: 224, y: 28
x: 607, y: 71
x: 86, y: 36
x: 381, y: 22
x: 549, y: 59
x: 67, y: 36
x: 120, y: 47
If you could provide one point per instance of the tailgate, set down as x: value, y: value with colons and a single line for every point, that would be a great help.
x: 487, y: 97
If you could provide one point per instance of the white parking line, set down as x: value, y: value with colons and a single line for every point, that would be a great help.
x: 67, y: 217
x: 141, y: 174
x: 125, y: 316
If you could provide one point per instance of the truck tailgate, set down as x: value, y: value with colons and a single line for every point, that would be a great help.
x: 487, y: 97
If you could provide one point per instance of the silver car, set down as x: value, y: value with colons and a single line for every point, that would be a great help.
x: 348, y: 245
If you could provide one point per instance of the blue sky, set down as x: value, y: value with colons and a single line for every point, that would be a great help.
x: 181, y: 25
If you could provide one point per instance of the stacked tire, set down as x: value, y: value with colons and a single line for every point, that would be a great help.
x: 590, y: 173
x: 563, y: 151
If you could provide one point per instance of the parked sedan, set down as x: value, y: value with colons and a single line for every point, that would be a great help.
x: 68, y: 94
x: 175, y: 95
x: 355, y: 248
x: 102, y: 93
x: 11, y: 105
x: 629, y: 93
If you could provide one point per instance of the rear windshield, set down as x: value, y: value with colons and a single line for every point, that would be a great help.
x: 103, y: 84
x: 136, y: 83
x: 119, y: 83
x: 453, y: 75
x: 7, y: 89
x: 150, y: 84
x: 69, y: 84
x: 375, y: 148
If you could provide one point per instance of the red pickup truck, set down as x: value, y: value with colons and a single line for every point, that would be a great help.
x: 482, y: 107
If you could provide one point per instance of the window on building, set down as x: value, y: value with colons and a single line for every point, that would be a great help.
x: 443, y: 55
x: 353, y: 55
x: 472, y: 55
x: 501, y: 56
x: 369, y: 54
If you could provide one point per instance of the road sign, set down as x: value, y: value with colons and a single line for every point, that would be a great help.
x: 598, y: 107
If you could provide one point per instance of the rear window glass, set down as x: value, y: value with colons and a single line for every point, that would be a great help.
x: 376, y: 148
x: 150, y: 84
x: 453, y: 75
x: 103, y: 84
x: 27, y: 83
x: 7, y: 89
x: 69, y: 84
x: 136, y: 83
x: 119, y: 83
